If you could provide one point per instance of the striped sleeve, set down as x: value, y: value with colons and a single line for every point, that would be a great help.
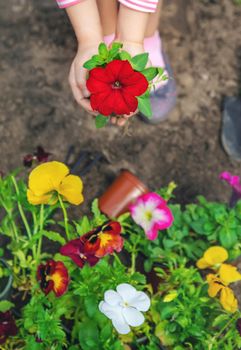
x: 66, y: 3
x: 141, y: 5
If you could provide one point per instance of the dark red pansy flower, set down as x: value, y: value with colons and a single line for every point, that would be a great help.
x: 114, y: 88
x: 8, y: 326
x: 40, y: 155
x: 53, y: 276
x: 108, y: 237
x: 28, y: 160
x: 92, y: 246
x: 238, y: 324
x: 80, y: 255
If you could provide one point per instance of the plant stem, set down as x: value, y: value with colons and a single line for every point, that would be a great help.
x: 9, y: 213
x: 20, y: 208
x: 117, y: 258
x: 133, y: 256
x: 65, y: 217
x: 41, y: 224
x: 236, y: 315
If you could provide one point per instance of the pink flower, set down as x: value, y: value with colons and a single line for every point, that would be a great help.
x: 151, y: 212
x: 232, y: 180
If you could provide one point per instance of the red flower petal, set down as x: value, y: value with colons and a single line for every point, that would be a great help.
x: 115, y: 103
x: 135, y: 85
x: 96, y: 86
x: 131, y: 102
x: 60, y: 278
x: 101, y: 74
x: 7, y: 326
x: 97, y: 103
x: 120, y: 106
x: 114, y: 69
x: 113, y: 227
x: 110, y: 239
x: 53, y: 276
x: 75, y: 250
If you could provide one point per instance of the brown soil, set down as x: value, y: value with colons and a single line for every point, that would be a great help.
x: 202, y: 39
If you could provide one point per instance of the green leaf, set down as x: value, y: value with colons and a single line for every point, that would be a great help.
x: 54, y: 236
x: 144, y: 106
x: 84, y: 226
x: 106, y: 332
x: 124, y: 55
x: 95, y: 208
x: 228, y: 237
x: 116, y: 45
x: 101, y: 121
x: 5, y: 305
x: 91, y: 305
x: 150, y: 73
x: 160, y: 70
x: 90, y: 64
x: 139, y: 62
x: 220, y: 320
x: 98, y: 59
x: 114, y: 51
x: 103, y: 51
x: 88, y: 335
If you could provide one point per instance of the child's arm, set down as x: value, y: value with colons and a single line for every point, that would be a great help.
x: 86, y: 23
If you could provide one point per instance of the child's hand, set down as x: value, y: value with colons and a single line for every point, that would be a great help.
x: 78, y: 75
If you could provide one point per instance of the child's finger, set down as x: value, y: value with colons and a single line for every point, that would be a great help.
x: 81, y: 74
x: 113, y: 120
x: 121, y: 121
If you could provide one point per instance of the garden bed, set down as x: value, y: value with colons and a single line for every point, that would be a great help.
x: 157, y: 276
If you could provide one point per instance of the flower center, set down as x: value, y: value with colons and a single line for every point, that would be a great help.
x: 104, y: 239
x: 82, y: 256
x: 116, y: 85
x: 149, y: 215
x: 124, y: 304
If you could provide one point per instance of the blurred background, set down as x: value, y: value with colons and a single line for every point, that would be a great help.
x: 202, y: 39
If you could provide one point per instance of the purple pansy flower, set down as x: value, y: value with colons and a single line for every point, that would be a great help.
x: 235, y: 182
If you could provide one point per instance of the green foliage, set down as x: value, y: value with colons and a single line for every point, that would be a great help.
x: 101, y: 121
x: 139, y: 62
x: 189, y: 319
x: 5, y: 305
x: 150, y: 73
x: 43, y: 321
x: 144, y: 105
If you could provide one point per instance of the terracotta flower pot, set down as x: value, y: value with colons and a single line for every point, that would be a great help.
x: 121, y: 193
x: 5, y: 282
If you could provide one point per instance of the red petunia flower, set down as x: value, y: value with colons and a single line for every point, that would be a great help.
x: 114, y: 88
x: 53, y: 276
x: 8, y: 326
x: 95, y: 244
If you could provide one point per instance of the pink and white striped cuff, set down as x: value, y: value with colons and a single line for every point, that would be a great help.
x: 66, y: 3
x: 141, y: 5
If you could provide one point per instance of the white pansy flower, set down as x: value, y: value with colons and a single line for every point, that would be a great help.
x: 123, y: 307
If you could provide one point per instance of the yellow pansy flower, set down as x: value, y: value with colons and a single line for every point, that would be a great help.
x: 212, y: 256
x: 52, y: 178
x: 227, y: 298
x: 229, y: 274
x: 170, y: 296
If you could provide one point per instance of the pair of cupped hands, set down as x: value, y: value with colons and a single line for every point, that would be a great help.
x: 78, y: 76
